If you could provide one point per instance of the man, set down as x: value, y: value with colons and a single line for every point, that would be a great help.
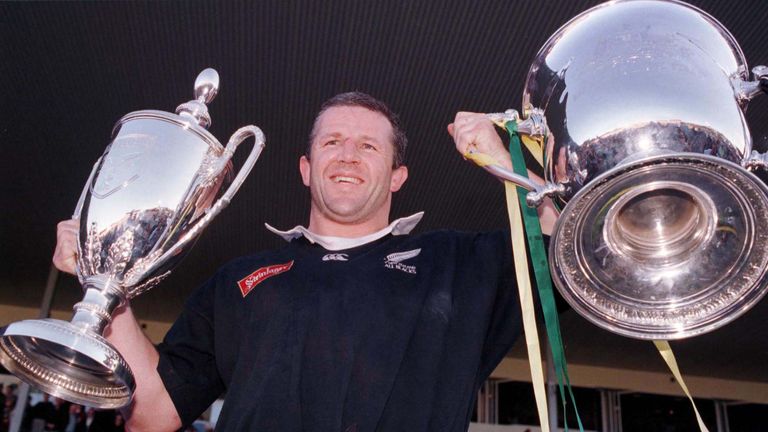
x: 43, y: 414
x: 354, y: 325
x: 10, y: 397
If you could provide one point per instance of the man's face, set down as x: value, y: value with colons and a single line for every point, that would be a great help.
x: 350, y: 174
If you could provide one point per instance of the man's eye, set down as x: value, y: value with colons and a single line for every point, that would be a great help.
x: 367, y: 146
x: 331, y: 142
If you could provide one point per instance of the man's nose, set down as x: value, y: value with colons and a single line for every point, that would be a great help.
x: 349, y: 151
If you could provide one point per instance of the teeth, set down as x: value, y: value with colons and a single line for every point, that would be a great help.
x: 342, y: 179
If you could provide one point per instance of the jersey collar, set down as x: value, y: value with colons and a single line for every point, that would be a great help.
x: 400, y: 226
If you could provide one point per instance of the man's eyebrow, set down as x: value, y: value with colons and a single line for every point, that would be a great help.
x: 330, y: 135
x: 369, y: 138
x: 339, y: 134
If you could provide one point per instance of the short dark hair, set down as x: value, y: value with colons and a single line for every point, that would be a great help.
x: 359, y: 99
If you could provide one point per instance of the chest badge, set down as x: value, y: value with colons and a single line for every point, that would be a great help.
x: 336, y: 257
x: 249, y: 282
x: 395, y: 261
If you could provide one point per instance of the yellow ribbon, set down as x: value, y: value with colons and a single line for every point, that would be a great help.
x: 480, y: 159
x: 535, y: 147
x: 524, y: 285
x: 669, y: 357
x: 526, y: 301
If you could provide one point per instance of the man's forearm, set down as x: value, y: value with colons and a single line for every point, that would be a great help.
x: 151, y: 408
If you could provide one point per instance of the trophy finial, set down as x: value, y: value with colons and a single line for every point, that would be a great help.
x: 207, y: 85
x: 206, y: 88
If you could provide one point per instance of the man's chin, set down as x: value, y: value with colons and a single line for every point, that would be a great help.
x: 347, y: 214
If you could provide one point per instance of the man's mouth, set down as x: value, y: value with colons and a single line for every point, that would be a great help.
x: 345, y: 179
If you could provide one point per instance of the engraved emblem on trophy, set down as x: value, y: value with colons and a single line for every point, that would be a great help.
x: 158, y: 184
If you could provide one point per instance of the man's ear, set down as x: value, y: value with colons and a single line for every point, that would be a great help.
x: 304, y: 169
x: 399, y: 176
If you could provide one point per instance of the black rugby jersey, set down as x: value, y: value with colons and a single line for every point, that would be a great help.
x: 394, y: 335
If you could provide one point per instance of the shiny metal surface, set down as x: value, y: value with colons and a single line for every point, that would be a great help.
x: 206, y: 88
x: 536, y: 192
x: 154, y: 190
x: 81, y: 367
x: 687, y: 271
x: 647, y: 149
x: 207, y: 85
x: 625, y: 64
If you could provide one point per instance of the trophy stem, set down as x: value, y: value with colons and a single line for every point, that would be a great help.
x: 72, y: 360
x: 94, y: 312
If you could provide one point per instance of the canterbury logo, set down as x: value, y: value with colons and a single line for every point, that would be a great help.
x: 336, y: 257
x: 249, y: 282
x: 395, y: 261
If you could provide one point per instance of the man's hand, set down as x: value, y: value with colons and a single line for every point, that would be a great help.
x: 475, y: 132
x: 65, y: 256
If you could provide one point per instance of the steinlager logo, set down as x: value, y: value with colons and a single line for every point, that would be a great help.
x: 249, y: 282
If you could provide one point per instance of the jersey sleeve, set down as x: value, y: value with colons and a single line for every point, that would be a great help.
x: 187, y: 363
x: 505, y: 322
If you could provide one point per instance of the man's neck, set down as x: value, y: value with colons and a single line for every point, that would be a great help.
x: 326, y: 227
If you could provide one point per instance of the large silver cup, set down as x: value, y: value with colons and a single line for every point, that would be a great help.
x: 148, y: 197
x: 663, y: 229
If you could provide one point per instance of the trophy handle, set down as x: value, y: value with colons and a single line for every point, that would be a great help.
x: 534, y: 125
x: 237, y: 138
x: 746, y: 89
x: 536, y: 192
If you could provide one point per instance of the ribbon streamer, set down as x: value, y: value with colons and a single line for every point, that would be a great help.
x: 543, y: 278
x: 525, y: 222
x: 526, y: 303
x: 669, y: 357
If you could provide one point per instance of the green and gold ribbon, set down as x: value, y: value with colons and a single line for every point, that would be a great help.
x: 543, y: 278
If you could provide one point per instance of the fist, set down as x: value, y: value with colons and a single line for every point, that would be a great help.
x: 475, y: 132
x: 65, y: 255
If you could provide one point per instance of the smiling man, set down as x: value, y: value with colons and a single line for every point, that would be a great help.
x: 352, y: 166
x: 355, y: 324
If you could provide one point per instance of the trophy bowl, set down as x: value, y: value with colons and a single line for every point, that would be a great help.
x: 155, y: 188
x: 640, y: 105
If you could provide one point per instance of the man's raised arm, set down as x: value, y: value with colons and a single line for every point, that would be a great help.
x: 151, y: 408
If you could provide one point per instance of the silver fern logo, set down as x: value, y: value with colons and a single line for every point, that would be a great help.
x: 395, y: 261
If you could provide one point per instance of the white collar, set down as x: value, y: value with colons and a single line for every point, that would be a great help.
x: 400, y: 226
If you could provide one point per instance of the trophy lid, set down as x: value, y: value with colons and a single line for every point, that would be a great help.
x: 206, y: 88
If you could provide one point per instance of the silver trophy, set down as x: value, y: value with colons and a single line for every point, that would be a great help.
x: 664, y: 228
x: 148, y: 197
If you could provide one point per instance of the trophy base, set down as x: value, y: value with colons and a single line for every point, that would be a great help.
x: 66, y: 361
